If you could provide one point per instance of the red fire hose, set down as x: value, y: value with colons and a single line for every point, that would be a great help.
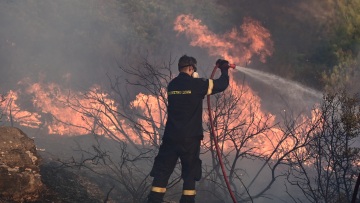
x: 216, y: 140
x: 356, y: 189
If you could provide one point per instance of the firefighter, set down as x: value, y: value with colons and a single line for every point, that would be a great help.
x: 183, y: 130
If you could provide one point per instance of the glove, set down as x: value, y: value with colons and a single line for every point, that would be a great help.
x: 223, y: 64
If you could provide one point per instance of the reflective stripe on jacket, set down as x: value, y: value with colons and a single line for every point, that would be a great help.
x: 185, y: 104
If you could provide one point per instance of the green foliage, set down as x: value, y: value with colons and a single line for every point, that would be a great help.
x: 345, y: 45
x: 345, y: 75
x: 350, y: 116
x: 348, y: 29
x: 334, y: 56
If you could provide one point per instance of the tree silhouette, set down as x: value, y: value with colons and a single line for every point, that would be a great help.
x: 294, y: 148
x: 332, y: 156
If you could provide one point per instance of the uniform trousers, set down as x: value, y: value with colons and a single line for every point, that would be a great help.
x: 170, y: 151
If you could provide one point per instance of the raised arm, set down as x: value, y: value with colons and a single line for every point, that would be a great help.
x: 220, y: 84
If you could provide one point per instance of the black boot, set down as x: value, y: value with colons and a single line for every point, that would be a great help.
x: 155, y: 197
x: 187, y: 199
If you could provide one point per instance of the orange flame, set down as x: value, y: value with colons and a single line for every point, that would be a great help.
x: 65, y: 112
x: 152, y: 117
x: 62, y: 111
x: 239, y: 46
x: 77, y: 113
x: 235, y: 46
x: 14, y: 113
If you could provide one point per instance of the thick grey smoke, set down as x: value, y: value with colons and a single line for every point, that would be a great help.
x: 76, y: 42
x: 59, y: 41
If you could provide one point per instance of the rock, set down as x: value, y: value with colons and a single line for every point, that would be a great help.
x: 20, y: 179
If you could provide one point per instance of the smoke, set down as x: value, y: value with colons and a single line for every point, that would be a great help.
x: 70, y: 45
x: 68, y: 42
x: 75, y: 43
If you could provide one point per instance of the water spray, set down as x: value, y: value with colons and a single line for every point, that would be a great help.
x: 292, y: 88
x: 269, y: 79
x: 213, y: 132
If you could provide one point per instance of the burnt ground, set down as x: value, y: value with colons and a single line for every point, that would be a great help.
x: 65, y: 185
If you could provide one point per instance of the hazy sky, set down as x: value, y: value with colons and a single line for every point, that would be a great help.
x: 76, y: 43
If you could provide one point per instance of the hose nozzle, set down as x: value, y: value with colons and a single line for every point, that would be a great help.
x: 233, y: 66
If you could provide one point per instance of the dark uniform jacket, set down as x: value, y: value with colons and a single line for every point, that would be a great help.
x: 185, y: 104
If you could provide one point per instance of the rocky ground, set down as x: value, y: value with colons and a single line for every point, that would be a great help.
x: 31, y: 171
x: 28, y: 177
